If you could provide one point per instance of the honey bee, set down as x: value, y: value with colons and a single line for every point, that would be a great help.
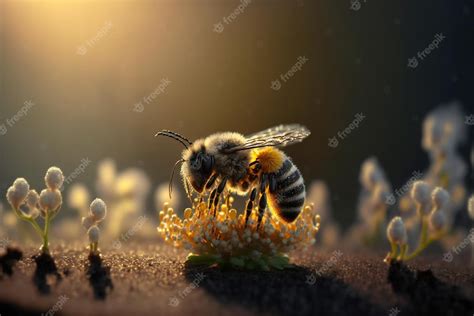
x: 245, y: 165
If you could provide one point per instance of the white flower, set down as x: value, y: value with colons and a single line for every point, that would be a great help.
x: 98, y: 209
x: 421, y: 193
x: 32, y: 199
x: 440, y: 197
x: 380, y: 194
x: 396, y: 231
x: 438, y: 220
x: 87, y: 222
x: 371, y: 174
x: 470, y: 206
x: 54, y: 178
x: 433, y: 132
x: 17, y: 193
x: 94, y: 234
x: 21, y: 186
x: 50, y: 201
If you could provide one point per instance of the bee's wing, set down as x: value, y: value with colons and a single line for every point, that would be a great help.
x: 282, y: 135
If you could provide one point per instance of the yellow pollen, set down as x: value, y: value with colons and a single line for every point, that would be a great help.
x: 271, y: 159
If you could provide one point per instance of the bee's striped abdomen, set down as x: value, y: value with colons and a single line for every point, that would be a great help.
x: 289, y: 195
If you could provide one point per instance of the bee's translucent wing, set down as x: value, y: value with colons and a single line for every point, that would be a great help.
x: 282, y: 135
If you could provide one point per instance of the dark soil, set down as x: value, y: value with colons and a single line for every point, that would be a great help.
x: 427, y: 294
x: 45, y: 267
x: 152, y: 279
x: 9, y: 259
x: 99, y: 277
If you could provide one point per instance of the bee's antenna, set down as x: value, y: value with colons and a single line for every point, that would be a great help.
x: 170, y: 188
x: 175, y: 137
x: 178, y: 135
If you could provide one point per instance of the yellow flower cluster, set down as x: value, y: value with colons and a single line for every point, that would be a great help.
x: 225, y: 238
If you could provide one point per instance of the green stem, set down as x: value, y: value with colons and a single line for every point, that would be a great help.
x: 30, y: 220
x: 418, y: 250
x: 45, y: 247
x: 393, y: 253
x: 422, y: 247
x: 403, y: 251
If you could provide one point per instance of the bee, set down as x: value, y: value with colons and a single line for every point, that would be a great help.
x: 246, y: 165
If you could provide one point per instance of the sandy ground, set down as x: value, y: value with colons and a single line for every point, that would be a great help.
x: 153, y: 280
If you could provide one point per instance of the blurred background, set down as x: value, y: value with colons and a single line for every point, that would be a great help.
x: 104, y: 76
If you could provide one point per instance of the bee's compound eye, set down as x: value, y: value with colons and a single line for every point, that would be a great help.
x: 207, y: 163
x: 196, y: 162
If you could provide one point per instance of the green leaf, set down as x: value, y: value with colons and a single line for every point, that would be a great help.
x: 237, y: 262
x: 205, y: 259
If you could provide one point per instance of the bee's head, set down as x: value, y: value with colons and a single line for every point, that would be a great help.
x: 197, y: 163
x: 198, y: 166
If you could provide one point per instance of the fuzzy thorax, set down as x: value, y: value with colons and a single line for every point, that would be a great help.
x: 270, y: 158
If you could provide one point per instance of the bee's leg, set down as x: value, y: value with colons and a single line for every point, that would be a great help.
x: 262, y: 202
x: 211, y: 198
x: 249, y: 208
x: 220, y: 189
x: 188, y: 191
x: 262, y: 205
x: 227, y: 199
x: 211, y: 181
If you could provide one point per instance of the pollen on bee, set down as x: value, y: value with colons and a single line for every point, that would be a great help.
x: 227, y: 237
x: 270, y: 158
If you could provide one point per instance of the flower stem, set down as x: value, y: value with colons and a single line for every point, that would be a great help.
x: 30, y: 220
x: 422, y: 247
x: 45, y: 247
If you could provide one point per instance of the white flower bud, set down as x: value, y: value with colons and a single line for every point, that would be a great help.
x: 17, y: 193
x: 371, y: 174
x: 380, y: 194
x: 396, y: 231
x: 54, y: 178
x: 94, y: 234
x: 21, y: 186
x: 50, y: 200
x: 87, y: 222
x: 470, y: 206
x: 438, y: 220
x: 421, y: 195
x: 32, y: 199
x: 98, y: 210
x: 440, y: 198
